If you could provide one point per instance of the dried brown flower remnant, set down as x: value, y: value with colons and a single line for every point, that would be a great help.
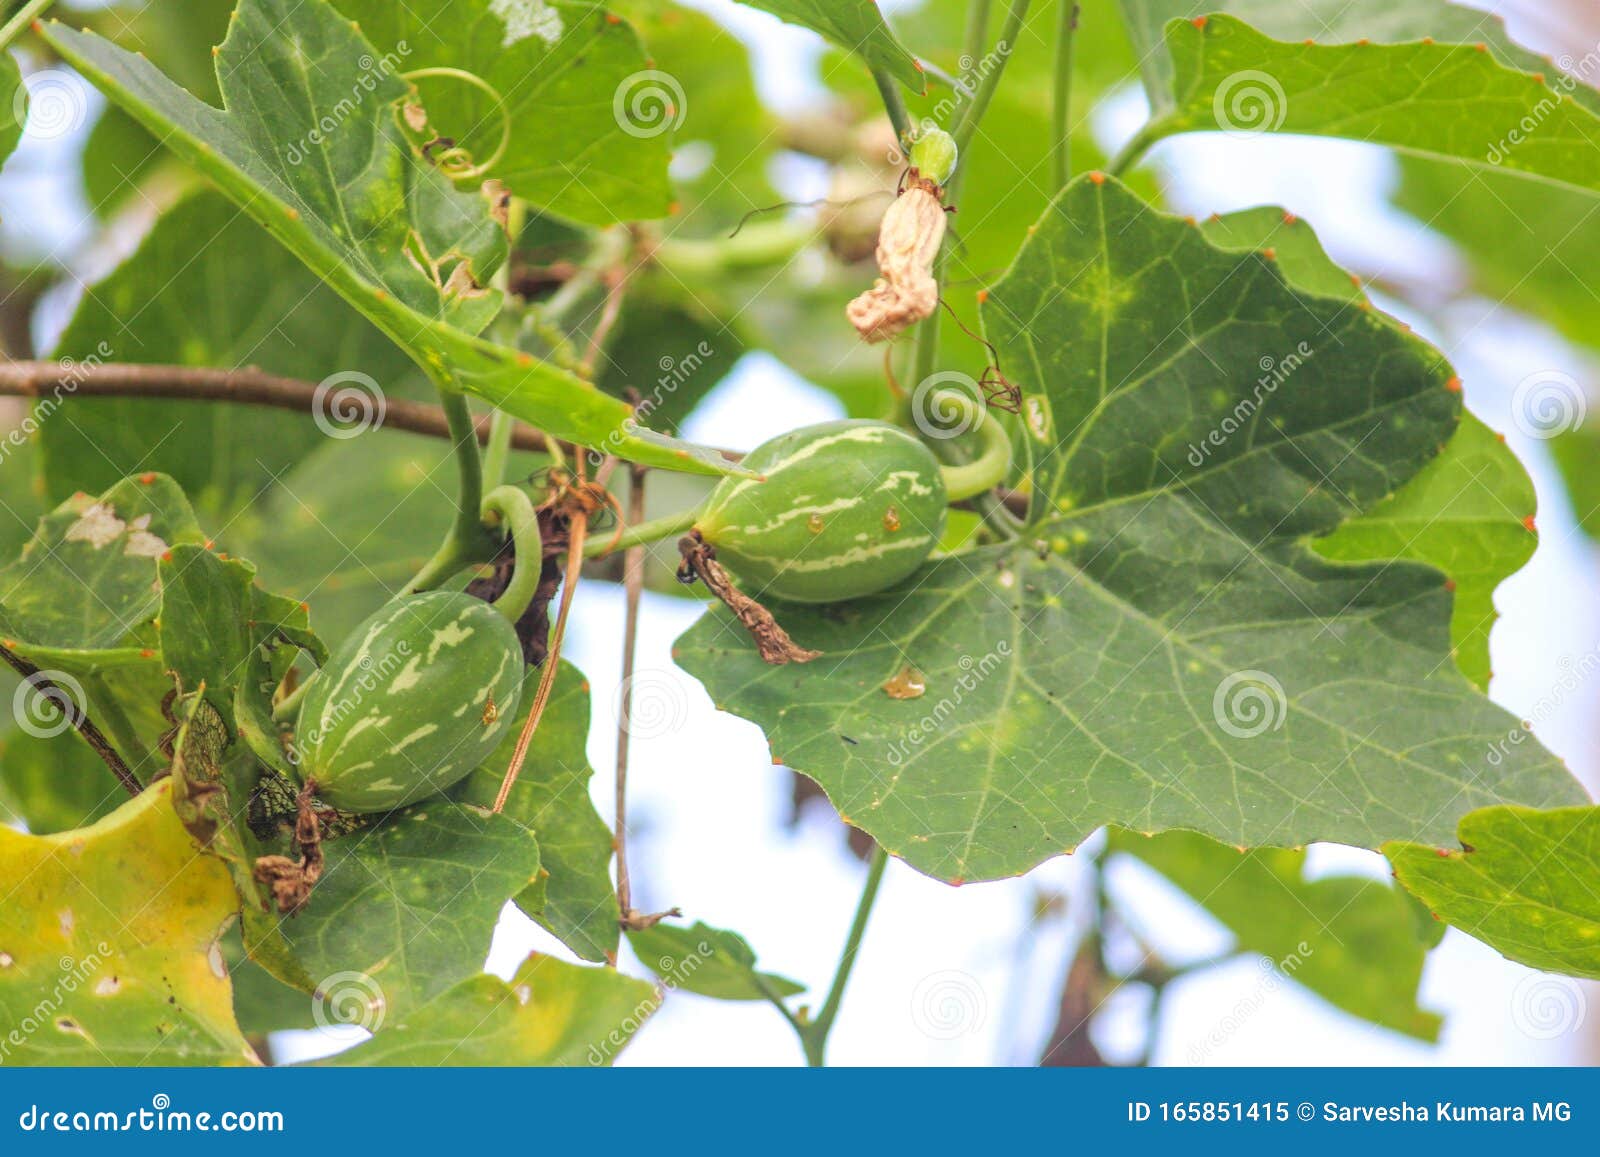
x: 908, y: 242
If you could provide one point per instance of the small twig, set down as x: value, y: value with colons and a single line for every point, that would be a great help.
x: 700, y: 562
x: 814, y: 1034
x: 246, y: 386
x: 65, y: 704
x: 576, y: 531
x: 633, y: 588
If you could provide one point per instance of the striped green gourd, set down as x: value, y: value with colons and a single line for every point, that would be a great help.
x: 846, y: 509
x: 413, y: 700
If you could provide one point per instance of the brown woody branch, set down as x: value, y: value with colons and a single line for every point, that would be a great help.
x: 247, y: 386
x: 74, y: 712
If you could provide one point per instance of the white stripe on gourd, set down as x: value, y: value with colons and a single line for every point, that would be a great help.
x: 400, y: 711
x: 846, y: 509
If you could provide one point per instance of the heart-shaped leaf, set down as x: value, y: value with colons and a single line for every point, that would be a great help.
x: 1160, y: 649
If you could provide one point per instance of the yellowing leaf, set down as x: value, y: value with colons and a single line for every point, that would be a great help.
x: 552, y: 1013
x: 109, y: 949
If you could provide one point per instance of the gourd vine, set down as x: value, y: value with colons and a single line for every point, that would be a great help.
x: 1006, y: 516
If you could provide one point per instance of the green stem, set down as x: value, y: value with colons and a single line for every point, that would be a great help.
x: 467, y: 541
x: 977, y: 34
x: 776, y: 1001
x: 498, y: 452
x: 893, y: 103
x: 814, y: 1035
x: 643, y: 532
x: 760, y: 244
x: 1135, y: 148
x: 1063, y: 91
x: 973, y: 113
x: 986, y: 471
x: 25, y: 16
x: 516, y: 510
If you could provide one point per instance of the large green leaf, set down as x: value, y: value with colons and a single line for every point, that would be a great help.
x: 406, y: 908
x: 109, y: 941
x: 1341, y: 69
x: 1351, y: 940
x: 311, y: 147
x: 562, y: 70
x: 1103, y: 668
x: 1525, y: 882
x: 855, y: 26
x: 1467, y: 512
x: 551, y: 1013
x: 722, y: 121
x: 573, y: 898
x: 206, y: 289
x: 707, y: 961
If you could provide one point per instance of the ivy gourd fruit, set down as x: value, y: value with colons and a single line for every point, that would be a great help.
x: 415, y: 698
x: 846, y: 509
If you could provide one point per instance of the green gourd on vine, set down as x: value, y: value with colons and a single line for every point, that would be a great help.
x: 842, y: 509
x: 418, y: 695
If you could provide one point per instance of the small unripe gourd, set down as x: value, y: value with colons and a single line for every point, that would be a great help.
x: 847, y: 509
x: 418, y: 695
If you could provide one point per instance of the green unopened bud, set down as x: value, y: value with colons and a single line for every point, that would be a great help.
x: 934, y: 155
